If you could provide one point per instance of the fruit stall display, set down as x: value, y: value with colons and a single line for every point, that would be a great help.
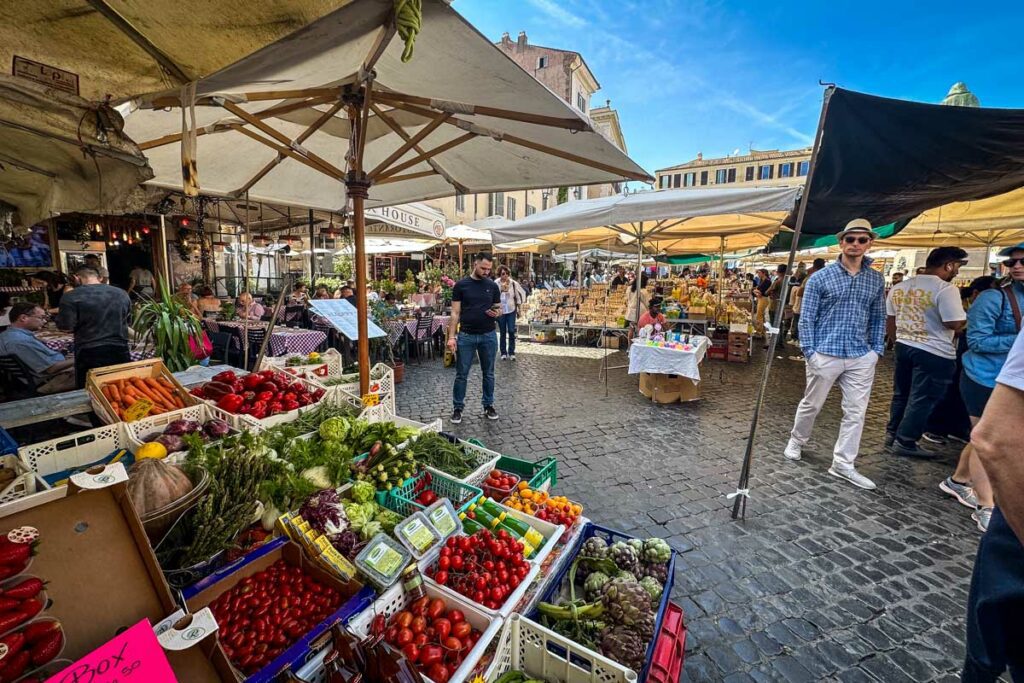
x: 279, y: 528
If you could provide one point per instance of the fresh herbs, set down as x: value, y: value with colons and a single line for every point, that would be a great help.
x: 430, y: 448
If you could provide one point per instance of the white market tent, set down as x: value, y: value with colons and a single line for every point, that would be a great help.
x: 342, y: 109
x: 993, y: 222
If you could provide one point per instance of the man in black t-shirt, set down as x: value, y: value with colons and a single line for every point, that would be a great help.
x: 476, y: 304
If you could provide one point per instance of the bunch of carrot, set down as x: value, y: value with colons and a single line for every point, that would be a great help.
x: 122, y: 393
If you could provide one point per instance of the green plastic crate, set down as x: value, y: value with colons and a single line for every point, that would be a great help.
x: 542, y: 475
x: 401, y: 499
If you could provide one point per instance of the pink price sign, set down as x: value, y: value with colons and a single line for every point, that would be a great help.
x: 135, y: 655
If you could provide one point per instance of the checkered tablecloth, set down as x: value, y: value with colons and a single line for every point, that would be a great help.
x: 396, y: 328
x: 284, y: 340
x: 21, y: 290
x: 65, y: 344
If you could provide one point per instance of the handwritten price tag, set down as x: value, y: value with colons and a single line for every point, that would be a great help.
x: 135, y: 655
x: 370, y: 400
x: 137, y: 410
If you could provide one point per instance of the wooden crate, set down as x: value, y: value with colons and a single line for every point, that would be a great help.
x: 153, y: 367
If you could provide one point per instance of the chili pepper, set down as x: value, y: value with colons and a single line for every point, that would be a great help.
x: 14, y: 642
x: 15, y: 554
x: 29, y: 588
x: 47, y: 647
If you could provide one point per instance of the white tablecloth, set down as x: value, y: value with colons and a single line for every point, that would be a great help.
x: 643, y: 358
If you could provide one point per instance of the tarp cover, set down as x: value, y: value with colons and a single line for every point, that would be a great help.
x: 43, y: 168
x: 887, y: 160
x: 668, y: 221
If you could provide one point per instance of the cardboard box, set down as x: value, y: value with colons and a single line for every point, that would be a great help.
x: 612, y: 341
x: 101, y: 574
x: 355, y: 598
x: 154, y: 367
x: 738, y: 356
x: 668, y: 388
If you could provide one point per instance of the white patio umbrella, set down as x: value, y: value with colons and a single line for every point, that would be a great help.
x: 333, y: 113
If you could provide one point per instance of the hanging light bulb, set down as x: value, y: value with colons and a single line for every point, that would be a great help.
x: 145, y: 230
x: 97, y: 228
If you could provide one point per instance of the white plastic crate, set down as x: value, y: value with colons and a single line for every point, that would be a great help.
x: 77, y: 450
x: 487, y: 458
x: 541, y: 653
x: 506, y: 608
x: 25, y: 483
x: 331, y: 358
x: 202, y: 413
x: 395, y: 600
x: 249, y: 423
x: 382, y: 383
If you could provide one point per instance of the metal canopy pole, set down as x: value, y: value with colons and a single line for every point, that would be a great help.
x: 312, y: 253
x: 739, y: 497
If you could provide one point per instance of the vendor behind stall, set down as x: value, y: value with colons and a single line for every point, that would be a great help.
x: 51, y: 372
x: 98, y: 315
x: 653, y: 315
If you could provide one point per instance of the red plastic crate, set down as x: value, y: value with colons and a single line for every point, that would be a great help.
x: 670, y: 650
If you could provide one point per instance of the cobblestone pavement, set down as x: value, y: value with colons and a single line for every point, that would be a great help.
x: 823, y: 581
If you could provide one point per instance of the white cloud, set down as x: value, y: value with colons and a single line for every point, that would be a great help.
x: 559, y: 13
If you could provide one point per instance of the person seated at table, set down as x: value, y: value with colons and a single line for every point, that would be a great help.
x: 299, y: 295
x: 390, y: 305
x: 321, y: 292
x: 247, y: 308
x: 652, y: 316
x: 371, y: 296
x: 185, y: 297
x: 51, y: 371
x: 207, y: 302
x: 348, y: 295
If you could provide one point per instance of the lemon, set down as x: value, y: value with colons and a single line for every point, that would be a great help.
x: 314, y: 356
x: 151, y: 450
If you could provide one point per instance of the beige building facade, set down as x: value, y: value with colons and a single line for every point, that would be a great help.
x: 565, y: 73
x: 754, y: 169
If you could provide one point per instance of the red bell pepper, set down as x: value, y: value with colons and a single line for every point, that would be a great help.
x: 237, y: 386
x: 289, y: 404
x: 227, y: 377
x: 216, y: 390
x: 198, y: 392
x: 230, y: 402
x: 267, y: 386
x: 250, y: 382
x: 289, y: 396
x: 274, y: 408
x: 258, y: 410
x: 265, y: 396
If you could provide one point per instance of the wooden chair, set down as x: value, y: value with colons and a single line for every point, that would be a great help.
x: 19, y: 382
x: 424, y: 338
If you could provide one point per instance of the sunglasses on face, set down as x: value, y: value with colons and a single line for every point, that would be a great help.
x: 1011, y: 262
x: 859, y: 240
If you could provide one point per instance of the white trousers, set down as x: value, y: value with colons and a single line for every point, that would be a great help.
x: 855, y: 376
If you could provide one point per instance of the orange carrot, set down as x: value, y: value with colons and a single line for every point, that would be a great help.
x: 105, y: 391
x: 114, y: 394
x: 158, y: 389
x: 145, y: 391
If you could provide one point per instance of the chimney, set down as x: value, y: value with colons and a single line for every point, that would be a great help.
x: 506, y: 41
x: 700, y: 156
x: 521, y: 40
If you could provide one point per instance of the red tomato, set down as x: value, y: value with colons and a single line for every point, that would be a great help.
x: 455, y: 616
x: 438, y: 672
x: 442, y: 627
x: 441, y: 577
x: 435, y: 609
x: 405, y: 637
x: 403, y: 619
x: 420, y: 639
x: 444, y: 562
x: 461, y: 629
x: 419, y: 625
x: 412, y: 652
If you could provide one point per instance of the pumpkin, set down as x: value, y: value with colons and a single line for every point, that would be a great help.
x: 154, y: 484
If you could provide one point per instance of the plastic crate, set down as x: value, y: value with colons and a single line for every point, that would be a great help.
x: 202, y: 413
x: 485, y: 459
x: 554, y: 589
x: 25, y: 483
x: 541, y: 475
x: 250, y: 423
x: 382, y: 383
x: 77, y: 451
x: 670, y: 649
x: 329, y: 358
x: 539, y: 652
x: 395, y: 600
x: 8, y: 445
x: 461, y: 495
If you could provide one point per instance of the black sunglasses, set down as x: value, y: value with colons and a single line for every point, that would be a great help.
x: 1011, y: 262
x: 849, y: 239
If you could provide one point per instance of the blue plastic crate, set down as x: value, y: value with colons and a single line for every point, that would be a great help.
x: 8, y: 446
x: 611, y: 536
x: 300, y: 651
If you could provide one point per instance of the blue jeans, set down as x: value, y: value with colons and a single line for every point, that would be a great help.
x: 507, y: 326
x: 919, y: 383
x: 469, y: 345
x: 994, y: 627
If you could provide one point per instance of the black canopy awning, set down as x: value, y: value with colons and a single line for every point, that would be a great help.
x: 888, y: 160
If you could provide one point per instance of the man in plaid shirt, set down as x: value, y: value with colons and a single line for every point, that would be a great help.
x: 842, y: 334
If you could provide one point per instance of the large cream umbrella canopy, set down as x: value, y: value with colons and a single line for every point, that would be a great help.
x: 992, y: 222
x: 332, y: 112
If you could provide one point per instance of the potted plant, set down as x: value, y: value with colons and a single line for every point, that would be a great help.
x: 169, y: 325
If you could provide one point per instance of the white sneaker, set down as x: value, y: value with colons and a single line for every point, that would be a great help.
x: 504, y: 356
x: 792, y: 451
x: 981, y: 516
x: 512, y: 357
x: 852, y: 476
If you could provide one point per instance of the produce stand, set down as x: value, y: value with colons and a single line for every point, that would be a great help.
x: 323, y: 491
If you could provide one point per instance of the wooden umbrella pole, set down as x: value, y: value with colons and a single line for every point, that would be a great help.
x: 357, y: 185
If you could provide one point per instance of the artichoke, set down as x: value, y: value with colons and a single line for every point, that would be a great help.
x: 594, y: 583
x: 636, y: 544
x: 656, y: 551
x: 657, y: 571
x: 624, y: 645
x: 626, y: 576
x: 626, y: 602
x: 595, y: 547
x: 625, y: 557
x: 653, y: 588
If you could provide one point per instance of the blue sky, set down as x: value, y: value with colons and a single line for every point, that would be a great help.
x: 713, y: 77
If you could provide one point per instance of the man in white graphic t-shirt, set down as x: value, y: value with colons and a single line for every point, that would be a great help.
x: 923, y: 315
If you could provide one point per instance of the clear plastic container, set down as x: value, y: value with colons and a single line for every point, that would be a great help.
x: 382, y: 560
x: 443, y: 518
x: 417, y: 534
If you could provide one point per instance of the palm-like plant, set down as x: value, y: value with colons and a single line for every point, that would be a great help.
x: 168, y: 324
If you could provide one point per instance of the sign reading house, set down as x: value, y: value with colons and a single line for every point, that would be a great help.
x: 405, y: 220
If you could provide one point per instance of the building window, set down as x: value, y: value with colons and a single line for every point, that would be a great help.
x: 689, y: 180
x: 664, y: 181
x: 542, y: 62
x: 732, y: 175
x: 767, y: 172
x: 802, y: 168
x: 511, y: 215
x: 786, y: 170
x: 703, y: 177
x: 530, y: 210
x: 721, y: 176
x: 750, y: 173
x: 581, y: 102
x: 460, y: 202
x: 496, y: 204
x: 544, y: 200
x: 675, y: 180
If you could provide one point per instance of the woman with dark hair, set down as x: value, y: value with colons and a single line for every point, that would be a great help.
x: 512, y: 297
x: 632, y: 310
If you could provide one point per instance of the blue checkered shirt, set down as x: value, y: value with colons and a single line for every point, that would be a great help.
x: 841, y: 314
